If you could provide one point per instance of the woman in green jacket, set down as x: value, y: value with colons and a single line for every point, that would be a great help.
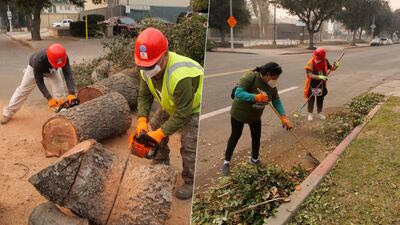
x: 248, y: 106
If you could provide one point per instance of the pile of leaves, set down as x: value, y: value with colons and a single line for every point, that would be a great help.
x: 340, y: 124
x: 246, y: 186
x: 186, y: 38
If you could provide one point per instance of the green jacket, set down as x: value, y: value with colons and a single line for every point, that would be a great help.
x: 250, y: 112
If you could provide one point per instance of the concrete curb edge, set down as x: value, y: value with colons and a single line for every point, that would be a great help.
x: 287, y: 210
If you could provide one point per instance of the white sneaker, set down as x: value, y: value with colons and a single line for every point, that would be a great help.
x: 321, y: 116
x: 310, y: 117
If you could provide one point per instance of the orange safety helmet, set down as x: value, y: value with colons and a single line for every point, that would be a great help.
x: 150, y: 45
x: 320, y: 54
x: 57, y: 55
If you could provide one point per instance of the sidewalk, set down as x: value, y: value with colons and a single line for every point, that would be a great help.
x: 77, y: 49
x: 363, y: 188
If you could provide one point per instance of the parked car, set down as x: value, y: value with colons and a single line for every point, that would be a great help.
x: 122, y: 25
x: 381, y: 41
x: 63, y: 23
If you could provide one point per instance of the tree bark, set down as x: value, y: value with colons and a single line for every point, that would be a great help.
x: 35, y: 32
x: 125, y: 85
x: 101, y: 71
x: 48, y: 214
x: 100, y: 118
x: 311, y: 44
x: 353, y: 42
x: 107, y: 189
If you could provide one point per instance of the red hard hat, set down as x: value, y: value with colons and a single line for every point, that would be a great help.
x: 56, y: 55
x: 150, y: 45
x: 320, y: 54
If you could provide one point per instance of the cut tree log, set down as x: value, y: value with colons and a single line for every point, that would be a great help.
x: 125, y: 85
x: 101, y: 118
x: 101, y: 71
x: 99, y: 185
x: 49, y: 214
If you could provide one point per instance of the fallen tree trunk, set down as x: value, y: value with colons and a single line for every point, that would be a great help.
x: 48, y: 214
x: 125, y: 85
x: 97, y: 184
x: 101, y: 118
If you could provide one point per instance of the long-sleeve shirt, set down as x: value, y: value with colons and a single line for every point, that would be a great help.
x: 42, y: 67
x: 183, y: 97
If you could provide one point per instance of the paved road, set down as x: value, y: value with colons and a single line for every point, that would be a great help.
x: 361, y: 69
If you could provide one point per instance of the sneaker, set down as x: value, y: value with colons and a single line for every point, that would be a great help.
x: 4, y: 119
x: 310, y: 117
x: 321, y: 116
x: 255, y: 162
x: 225, y: 169
x: 184, y: 192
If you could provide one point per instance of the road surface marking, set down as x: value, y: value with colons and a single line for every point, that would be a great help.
x: 226, y: 109
x: 226, y: 73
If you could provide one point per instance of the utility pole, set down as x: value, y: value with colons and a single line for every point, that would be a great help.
x: 231, y: 27
x: 275, y: 30
x: 373, y: 26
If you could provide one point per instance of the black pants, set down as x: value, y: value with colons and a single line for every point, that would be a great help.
x: 320, y: 101
x: 237, y: 128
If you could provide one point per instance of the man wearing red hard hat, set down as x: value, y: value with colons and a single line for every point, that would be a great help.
x: 175, y: 82
x: 316, y: 79
x: 44, y: 64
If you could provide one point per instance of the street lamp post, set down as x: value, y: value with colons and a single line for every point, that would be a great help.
x: 9, y: 17
x: 274, y: 2
x: 373, y: 26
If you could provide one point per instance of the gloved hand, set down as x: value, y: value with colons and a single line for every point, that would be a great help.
x: 72, y: 100
x: 261, y: 98
x: 336, y: 66
x: 53, y: 103
x: 286, y: 123
x: 157, y: 135
x: 139, y: 149
x: 141, y: 125
x: 322, y: 77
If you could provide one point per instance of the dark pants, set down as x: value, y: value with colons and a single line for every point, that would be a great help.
x: 237, y: 128
x: 320, y: 101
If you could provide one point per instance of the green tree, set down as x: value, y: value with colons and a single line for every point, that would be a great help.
x: 396, y: 21
x: 313, y: 13
x: 220, y: 12
x: 355, y: 14
x: 200, y: 5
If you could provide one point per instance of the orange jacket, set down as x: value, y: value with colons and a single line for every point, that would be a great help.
x: 317, y: 69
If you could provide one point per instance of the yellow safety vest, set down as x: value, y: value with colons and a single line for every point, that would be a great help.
x: 178, y: 68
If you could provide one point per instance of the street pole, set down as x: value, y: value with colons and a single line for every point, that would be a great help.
x: 86, y: 27
x: 373, y: 28
x: 9, y: 17
x: 274, y: 42
x: 231, y: 27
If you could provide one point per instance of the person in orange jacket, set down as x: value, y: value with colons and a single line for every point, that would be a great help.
x: 317, y: 69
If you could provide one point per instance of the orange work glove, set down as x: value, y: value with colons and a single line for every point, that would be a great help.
x: 72, y: 99
x: 53, y: 103
x: 261, y: 98
x: 139, y: 149
x: 286, y: 123
x: 141, y: 125
x: 157, y: 135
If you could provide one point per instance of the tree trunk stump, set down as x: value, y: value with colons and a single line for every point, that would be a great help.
x: 49, y: 214
x: 101, y: 118
x: 98, y: 185
x: 125, y: 85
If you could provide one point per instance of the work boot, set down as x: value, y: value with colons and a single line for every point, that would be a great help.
x: 225, y: 169
x: 310, y: 117
x: 255, y: 161
x: 184, y: 192
x: 321, y: 116
x: 5, y: 119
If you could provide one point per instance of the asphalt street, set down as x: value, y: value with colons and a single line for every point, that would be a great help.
x: 361, y: 69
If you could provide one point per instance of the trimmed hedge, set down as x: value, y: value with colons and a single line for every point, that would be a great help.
x: 78, y: 29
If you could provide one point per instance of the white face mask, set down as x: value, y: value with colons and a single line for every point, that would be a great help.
x: 273, y: 83
x: 151, y: 73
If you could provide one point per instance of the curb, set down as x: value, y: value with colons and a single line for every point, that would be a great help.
x: 287, y: 210
x: 21, y: 42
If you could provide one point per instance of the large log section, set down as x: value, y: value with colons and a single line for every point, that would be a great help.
x: 99, y: 185
x: 48, y: 214
x: 128, y: 86
x: 101, y: 118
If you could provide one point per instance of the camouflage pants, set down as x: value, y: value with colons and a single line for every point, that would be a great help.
x: 188, y: 143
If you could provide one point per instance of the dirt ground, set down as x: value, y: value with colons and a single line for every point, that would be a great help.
x: 282, y: 149
x: 22, y: 155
